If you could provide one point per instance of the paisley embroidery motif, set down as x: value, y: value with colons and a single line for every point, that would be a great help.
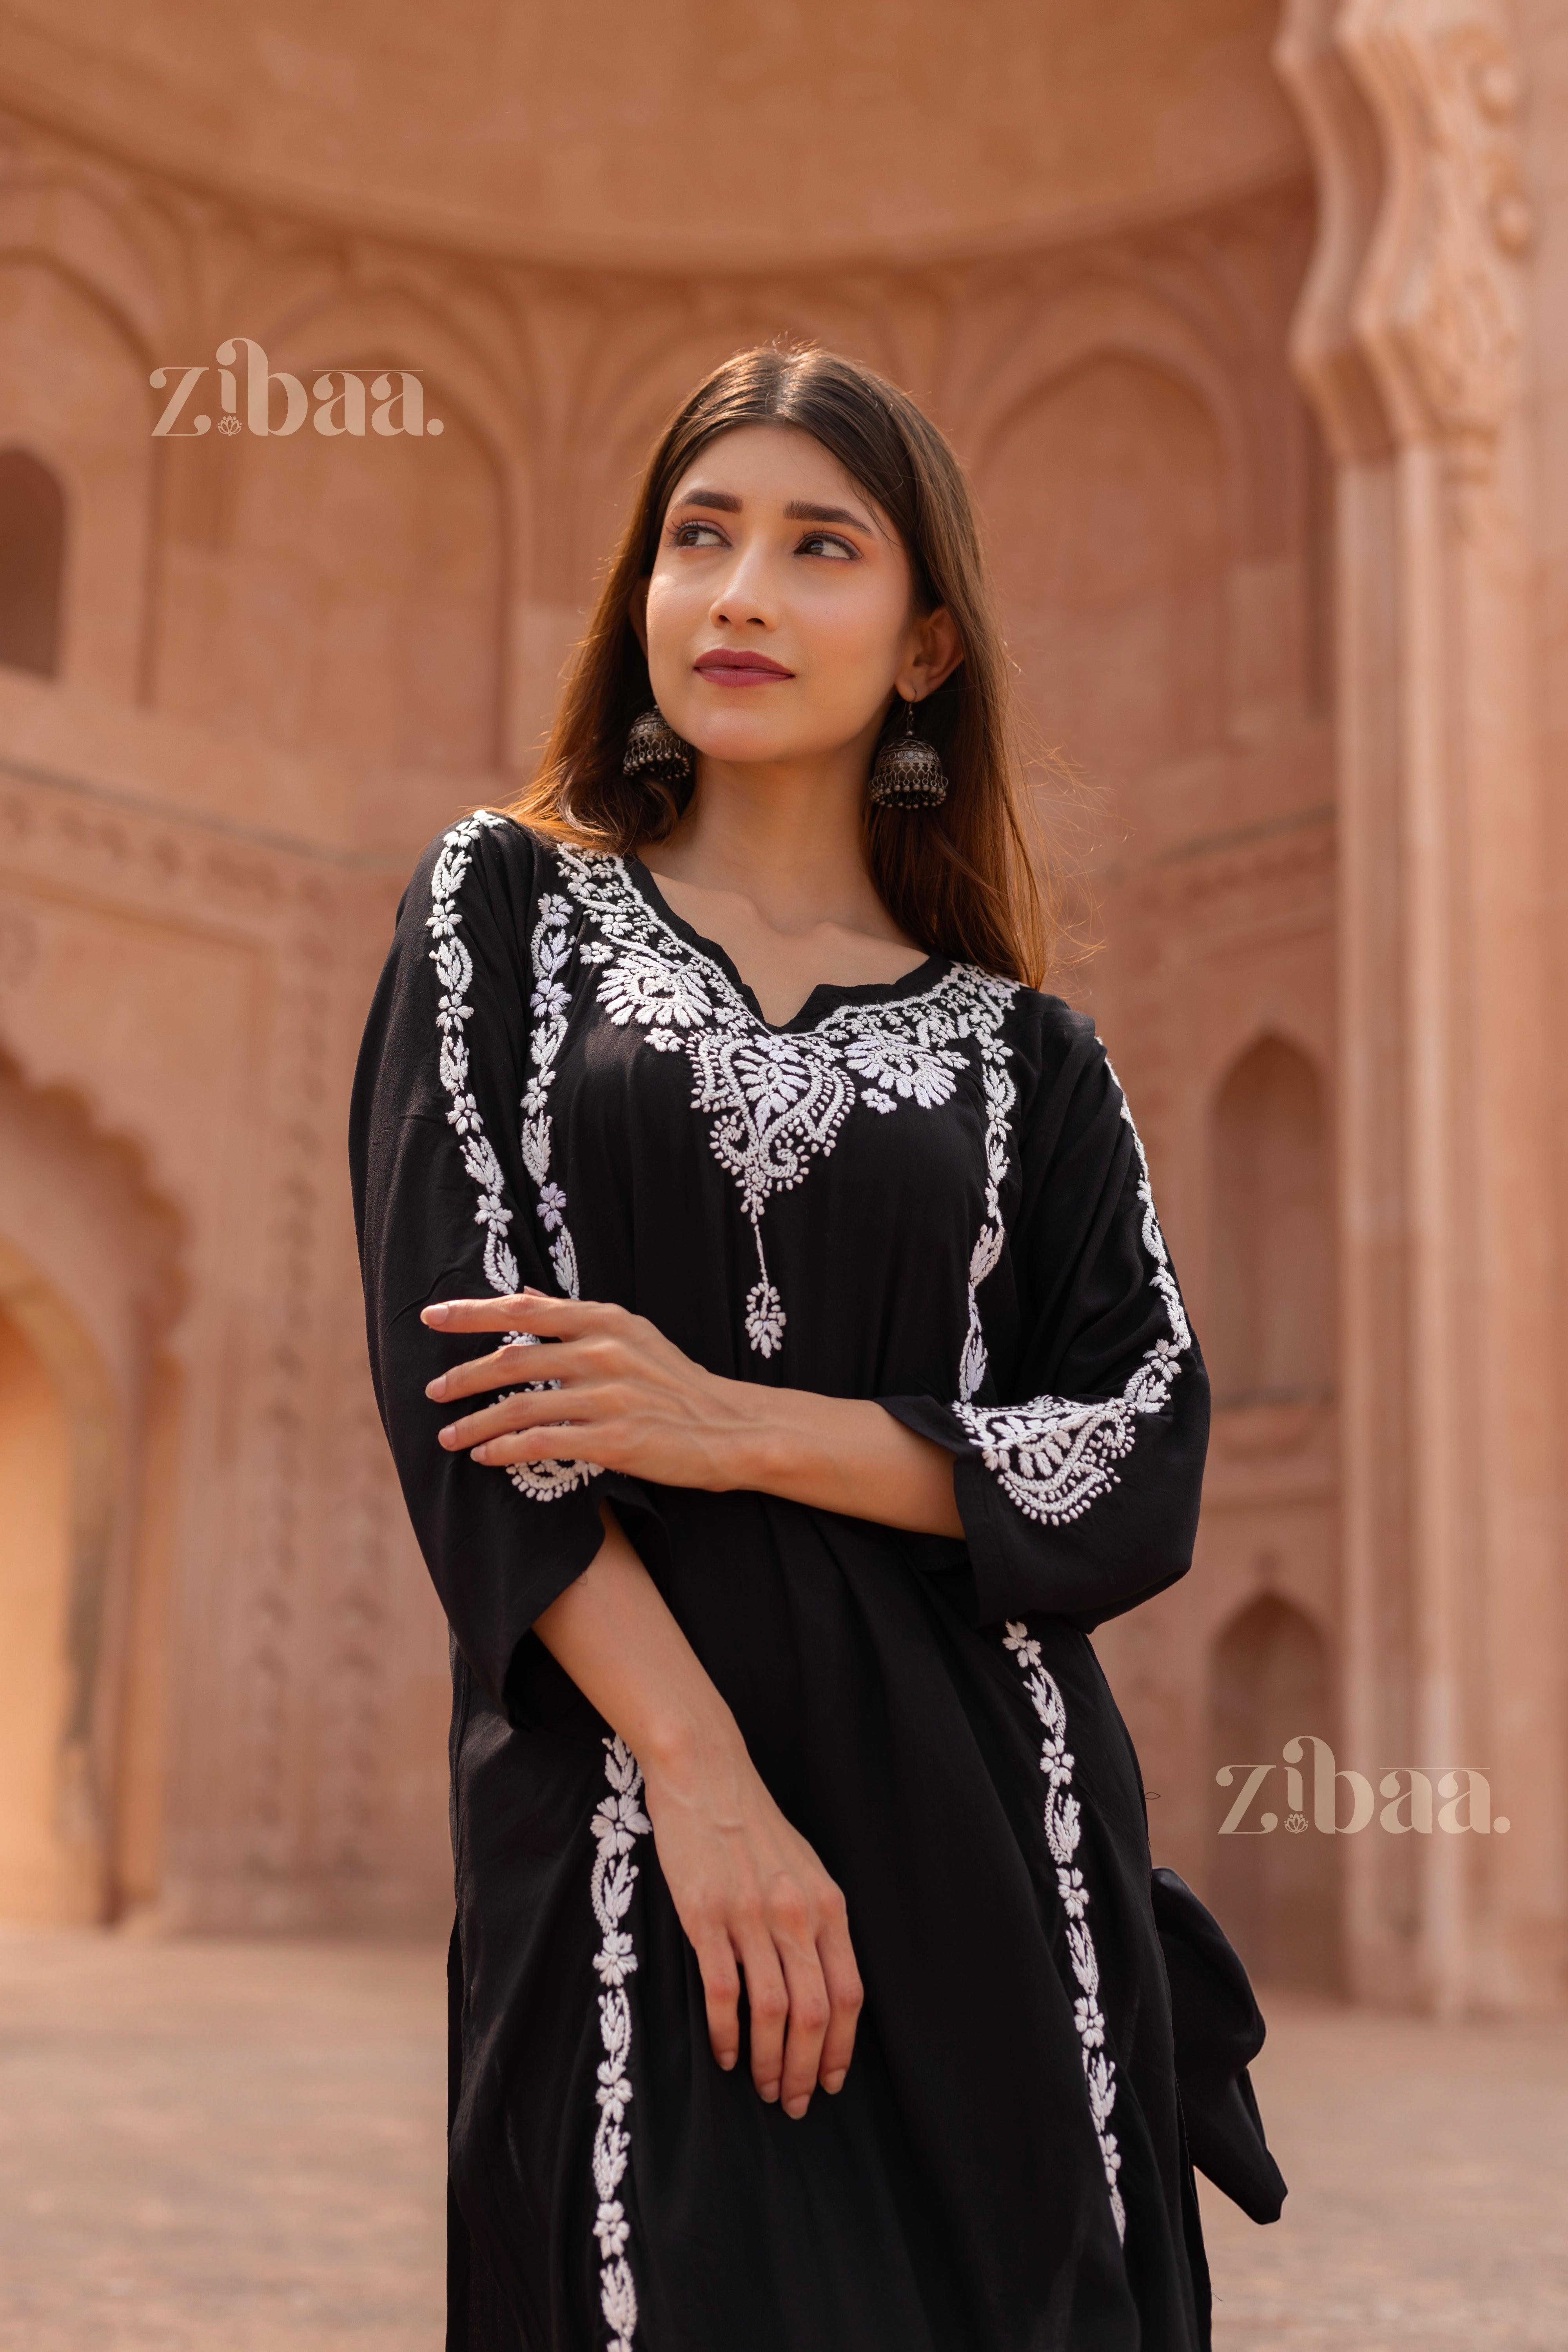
x: 776, y: 1099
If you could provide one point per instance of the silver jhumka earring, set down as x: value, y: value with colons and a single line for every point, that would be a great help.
x: 908, y: 773
x: 653, y: 750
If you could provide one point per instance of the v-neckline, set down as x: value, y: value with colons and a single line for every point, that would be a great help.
x: 822, y: 998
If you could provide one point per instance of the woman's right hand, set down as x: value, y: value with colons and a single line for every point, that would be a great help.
x: 749, y: 1891
x: 757, y: 1903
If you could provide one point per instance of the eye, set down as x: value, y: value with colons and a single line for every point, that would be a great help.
x: 823, y: 542
x: 686, y: 534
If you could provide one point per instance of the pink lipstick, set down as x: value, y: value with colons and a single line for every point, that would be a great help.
x: 727, y: 665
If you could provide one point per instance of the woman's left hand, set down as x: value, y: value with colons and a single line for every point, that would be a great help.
x: 627, y: 1400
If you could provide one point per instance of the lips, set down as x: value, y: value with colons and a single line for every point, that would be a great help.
x: 725, y: 668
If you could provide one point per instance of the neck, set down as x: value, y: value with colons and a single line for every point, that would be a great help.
x: 790, y: 837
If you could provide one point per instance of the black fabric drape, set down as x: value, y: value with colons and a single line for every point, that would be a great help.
x: 930, y: 1194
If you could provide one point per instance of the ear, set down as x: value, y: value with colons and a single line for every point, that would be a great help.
x: 637, y: 614
x: 933, y: 652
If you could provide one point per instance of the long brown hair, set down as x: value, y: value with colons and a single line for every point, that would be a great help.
x: 958, y: 879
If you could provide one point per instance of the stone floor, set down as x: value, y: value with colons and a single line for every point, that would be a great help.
x: 1428, y: 2206
x: 237, y: 2148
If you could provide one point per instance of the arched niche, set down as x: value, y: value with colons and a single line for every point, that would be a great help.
x: 32, y: 562
x: 1271, y: 1327
x: 341, y: 593
x: 59, y: 1448
x: 84, y: 416
x: 88, y: 1405
x: 1275, y: 1893
x: 1105, y: 504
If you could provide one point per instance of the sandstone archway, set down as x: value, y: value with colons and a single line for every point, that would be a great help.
x: 1107, y: 501
x: 343, y: 593
x: 1270, y: 1338
x: 1276, y: 1893
x: 88, y: 1290
x: 32, y: 562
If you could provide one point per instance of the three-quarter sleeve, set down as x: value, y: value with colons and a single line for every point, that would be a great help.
x: 450, y: 1153
x: 1081, y: 1419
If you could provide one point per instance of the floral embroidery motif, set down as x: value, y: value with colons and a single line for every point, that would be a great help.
x: 1055, y: 1457
x: 997, y: 1083
x: 1062, y: 1833
x: 618, y: 1822
x: 542, y: 1481
x: 550, y: 951
x: 455, y: 971
x: 776, y: 1101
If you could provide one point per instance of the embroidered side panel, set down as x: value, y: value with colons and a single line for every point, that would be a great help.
x: 774, y: 1102
x: 1062, y: 1832
x: 618, y: 1822
x: 542, y: 1481
x: 1055, y: 1457
x: 1000, y: 1096
x: 550, y: 951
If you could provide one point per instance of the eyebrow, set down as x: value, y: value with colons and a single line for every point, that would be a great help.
x: 801, y: 511
x: 797, y: 511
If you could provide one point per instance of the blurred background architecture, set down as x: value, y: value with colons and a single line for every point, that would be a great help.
x: 1251, y: 322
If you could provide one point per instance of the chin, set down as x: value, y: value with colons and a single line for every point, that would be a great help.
x: 734, y: 740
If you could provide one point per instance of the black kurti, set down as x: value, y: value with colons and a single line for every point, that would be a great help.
x: 928, y: 1193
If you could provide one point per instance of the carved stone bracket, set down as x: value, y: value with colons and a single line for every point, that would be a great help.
x: 1412, y: 324
x: 1439, y: 309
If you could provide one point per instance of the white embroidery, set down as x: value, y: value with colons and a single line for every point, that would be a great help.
x: 775, y: 1100
x: 543, y: 1482
x: 550, y: 951
x: 1062, y: 1832
x: 1000, y: 1096
x: 618, y: 1822
x: 1055, y: 1457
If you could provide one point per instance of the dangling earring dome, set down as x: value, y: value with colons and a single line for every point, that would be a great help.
x: 653, y: 750
x: 908, y: 774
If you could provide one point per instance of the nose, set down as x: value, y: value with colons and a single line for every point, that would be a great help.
x: 747, y: 596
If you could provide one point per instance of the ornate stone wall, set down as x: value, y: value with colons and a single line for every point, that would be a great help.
x: 1250, y: 422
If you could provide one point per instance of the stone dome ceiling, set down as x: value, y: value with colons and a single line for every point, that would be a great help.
x: 683, y: 132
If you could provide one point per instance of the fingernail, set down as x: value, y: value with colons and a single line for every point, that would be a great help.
x: 769, y: 2090
x: 446, y: 1437
x: 437, y: 1386
x: 728, y: 2060
x: 432, y: 1314
x: 832, y: 2083
x: 481, y: 1453
x: 795, y: 2108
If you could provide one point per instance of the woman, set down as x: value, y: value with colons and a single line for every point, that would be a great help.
x: 806, y: 1990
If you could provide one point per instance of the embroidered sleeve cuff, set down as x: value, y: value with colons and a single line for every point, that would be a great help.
x: 1050, y: 1523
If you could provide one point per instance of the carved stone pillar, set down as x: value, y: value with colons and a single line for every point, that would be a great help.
x: 1411, y: 342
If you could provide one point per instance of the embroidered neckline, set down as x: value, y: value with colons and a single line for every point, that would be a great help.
x: 776, y: 1098
x: 927, y: 973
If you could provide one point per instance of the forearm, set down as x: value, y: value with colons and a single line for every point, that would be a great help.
x: 841, y: 1453
x: 613, y: 1632
x: 623, y: 1395
x: 750, y: 1892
